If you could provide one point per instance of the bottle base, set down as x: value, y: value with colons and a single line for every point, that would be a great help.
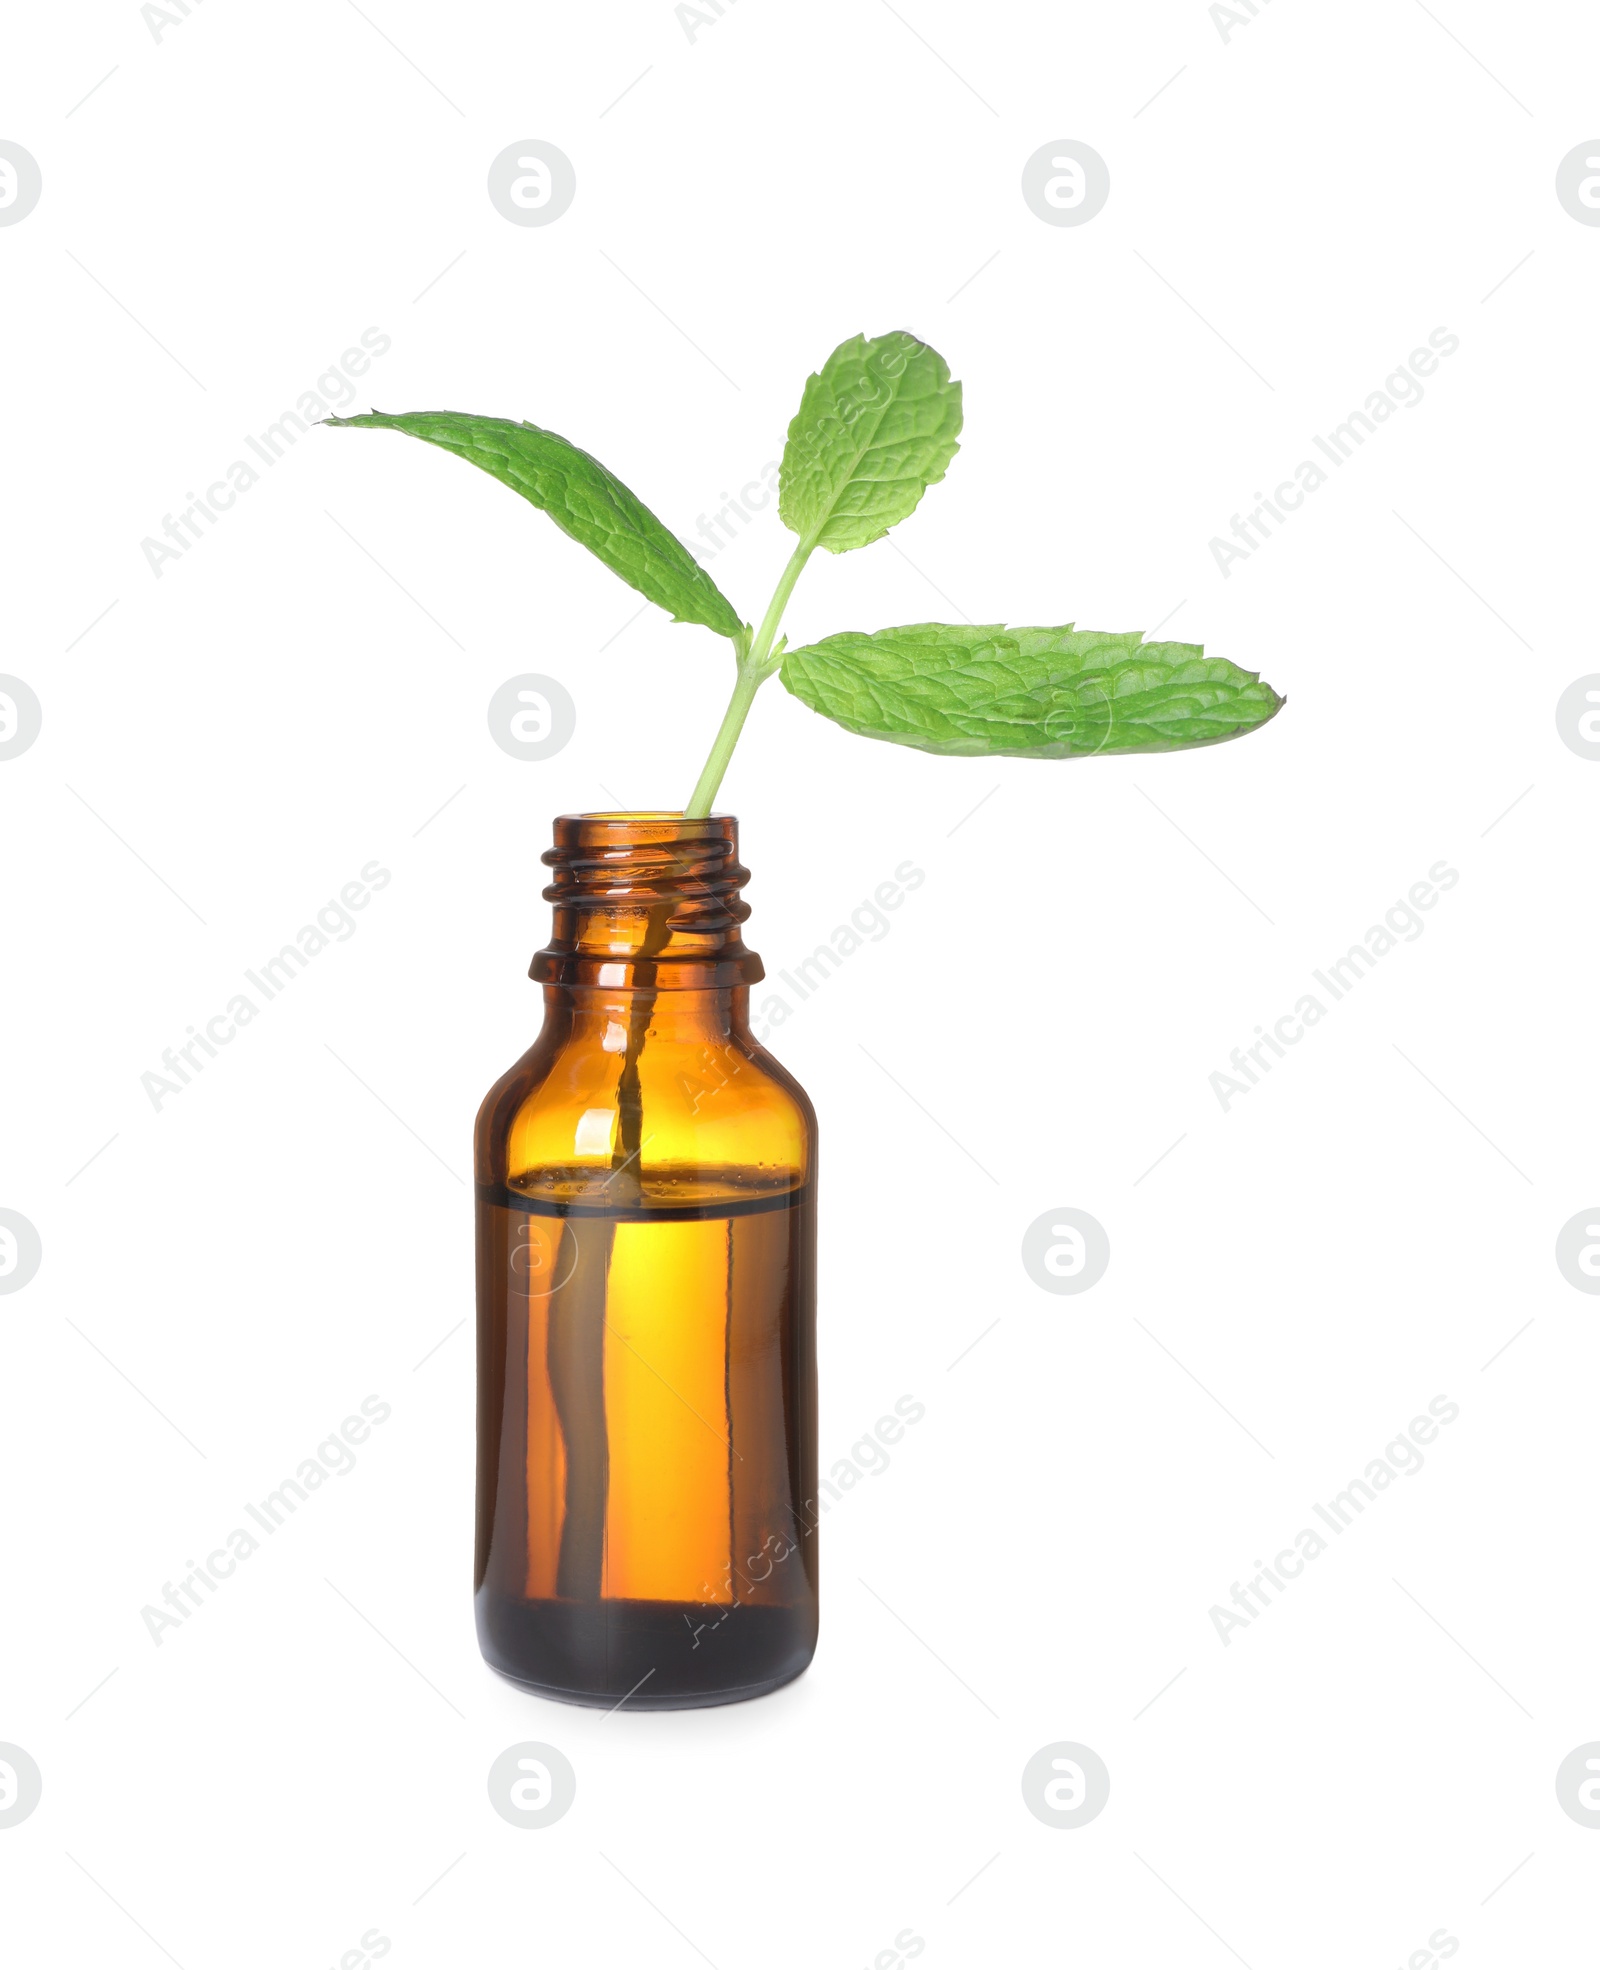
x: 644, y: 1655
x: 706, y: 1700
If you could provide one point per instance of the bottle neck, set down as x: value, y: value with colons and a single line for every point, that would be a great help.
x: 646, y: 902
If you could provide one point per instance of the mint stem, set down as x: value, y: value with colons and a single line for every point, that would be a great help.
x: 755, y: 667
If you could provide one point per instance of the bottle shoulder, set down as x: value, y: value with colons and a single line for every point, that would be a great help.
x: 716, y: 1114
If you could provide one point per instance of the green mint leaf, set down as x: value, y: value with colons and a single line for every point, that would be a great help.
x: 585, y: 501
x: 1034, y: 693
x: 877, y: 425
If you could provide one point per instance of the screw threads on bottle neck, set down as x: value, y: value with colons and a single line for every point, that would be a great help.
x: 648, y: 900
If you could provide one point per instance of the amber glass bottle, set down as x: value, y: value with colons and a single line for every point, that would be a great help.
x: 646, y: 1195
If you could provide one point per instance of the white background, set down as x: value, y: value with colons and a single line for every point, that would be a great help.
x: 305, y: 689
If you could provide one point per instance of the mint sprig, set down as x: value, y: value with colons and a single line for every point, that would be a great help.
x: 877, y: 425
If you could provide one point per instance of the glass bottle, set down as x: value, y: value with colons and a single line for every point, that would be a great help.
x: 646, y: 1226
